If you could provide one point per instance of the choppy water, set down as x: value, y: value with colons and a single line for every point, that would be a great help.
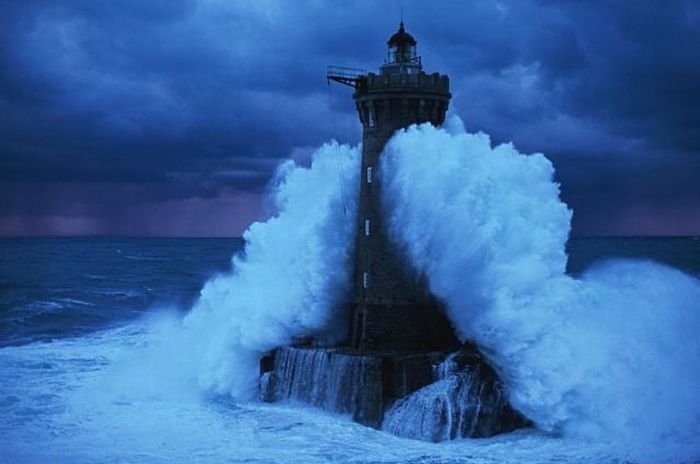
x: 77, y: 386
x: 64, y: 287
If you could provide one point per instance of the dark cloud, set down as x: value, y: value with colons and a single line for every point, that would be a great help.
x: 191, y: 103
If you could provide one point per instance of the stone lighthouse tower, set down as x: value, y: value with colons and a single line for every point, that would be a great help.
x: 397, y: 332
x: 391, y: 308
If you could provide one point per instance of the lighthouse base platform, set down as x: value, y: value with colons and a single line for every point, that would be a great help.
x: 432, y: 396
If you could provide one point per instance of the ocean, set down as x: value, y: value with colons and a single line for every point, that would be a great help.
x: 80, y: 384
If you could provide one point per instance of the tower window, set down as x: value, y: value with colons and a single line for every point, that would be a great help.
x: 369, y: 174
x: 370, y: 117
x: 367, y: 227
x: 365, y: 280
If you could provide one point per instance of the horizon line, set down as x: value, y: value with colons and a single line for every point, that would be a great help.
x: 239, y: 237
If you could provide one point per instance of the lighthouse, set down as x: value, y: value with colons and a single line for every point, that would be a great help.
x: 399, y: 340
x: 391, y: 306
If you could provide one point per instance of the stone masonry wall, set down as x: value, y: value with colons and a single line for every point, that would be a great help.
x: 392, y: 308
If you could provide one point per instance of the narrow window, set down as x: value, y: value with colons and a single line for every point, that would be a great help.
x: 369, y: 174
x: 370, y: 118
x: 367, y: 227
x: 365, y: 280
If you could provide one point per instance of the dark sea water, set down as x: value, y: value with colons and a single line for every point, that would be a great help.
x: 56, y: 287
x: 70, y: 308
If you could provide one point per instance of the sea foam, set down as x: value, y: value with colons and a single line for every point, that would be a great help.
x: 613, y: 355
x: 610, y: 356
x: 289, y: 281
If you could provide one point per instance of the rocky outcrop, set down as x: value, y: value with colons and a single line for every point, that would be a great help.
x: 466, y: 400
x: 337, y: 382
x: 426, y: 396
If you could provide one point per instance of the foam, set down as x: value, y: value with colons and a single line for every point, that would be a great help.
x: 613, y: 355
x: 290, y: 279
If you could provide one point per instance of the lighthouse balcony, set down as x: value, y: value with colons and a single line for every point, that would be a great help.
x: 402, y: 82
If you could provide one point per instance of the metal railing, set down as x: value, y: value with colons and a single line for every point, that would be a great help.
x: 344, y: 75
x: 342, y: 71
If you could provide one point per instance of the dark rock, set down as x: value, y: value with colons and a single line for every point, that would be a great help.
x: 335, y: 381
x: 466, y: 400
x: 269, y: 392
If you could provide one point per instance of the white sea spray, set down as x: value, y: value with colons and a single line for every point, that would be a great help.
x: 289, y: 281
x: 612, y: 356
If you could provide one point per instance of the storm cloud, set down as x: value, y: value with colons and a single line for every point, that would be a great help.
x: 169, y: 117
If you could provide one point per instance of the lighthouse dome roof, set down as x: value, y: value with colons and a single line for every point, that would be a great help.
x: 401, y: 38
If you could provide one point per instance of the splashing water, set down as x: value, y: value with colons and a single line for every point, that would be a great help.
x: 288, y: 282
x: 611, y: 356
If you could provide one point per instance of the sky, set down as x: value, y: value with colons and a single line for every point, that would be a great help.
x: 169, y: 117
